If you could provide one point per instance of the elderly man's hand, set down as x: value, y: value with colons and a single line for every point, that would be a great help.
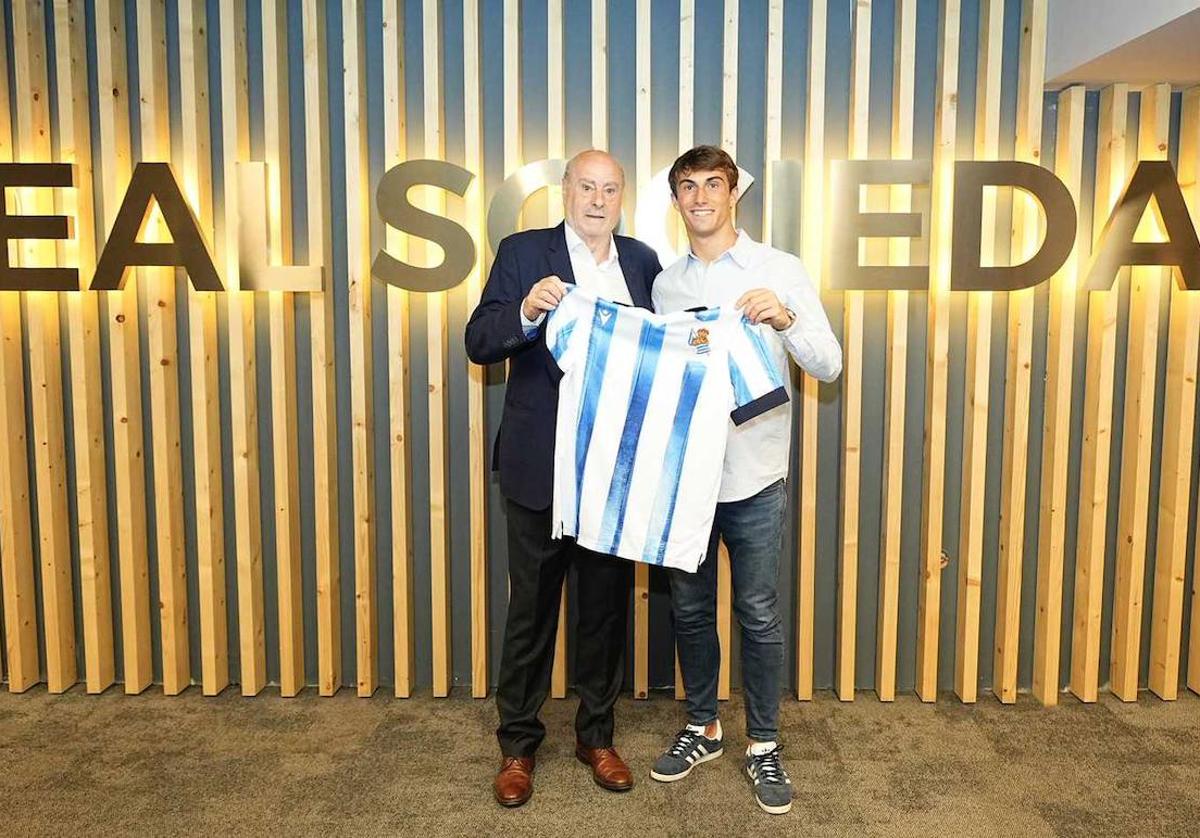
x: 544, y: 296
x: 762, y: 306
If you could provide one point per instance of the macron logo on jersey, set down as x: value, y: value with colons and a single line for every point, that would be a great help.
x: 643, y: 413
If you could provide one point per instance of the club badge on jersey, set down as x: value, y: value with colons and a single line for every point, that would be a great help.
x: 643, y: 413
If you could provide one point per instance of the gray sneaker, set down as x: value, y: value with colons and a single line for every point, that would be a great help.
x: 687, y: 751
x: 772, y: 788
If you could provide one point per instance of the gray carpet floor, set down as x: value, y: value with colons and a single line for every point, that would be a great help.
x: 116, y: 764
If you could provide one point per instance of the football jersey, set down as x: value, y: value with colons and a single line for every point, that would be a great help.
x: 643, y: 414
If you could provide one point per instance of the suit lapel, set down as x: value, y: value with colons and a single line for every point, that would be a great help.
x: 558, y: 256
x: 632, y: 269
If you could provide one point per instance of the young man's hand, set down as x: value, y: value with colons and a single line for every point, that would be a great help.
x: 761, y: 305
x: 542, y: 297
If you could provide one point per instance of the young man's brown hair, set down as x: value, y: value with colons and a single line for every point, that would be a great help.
x: 703, y: 158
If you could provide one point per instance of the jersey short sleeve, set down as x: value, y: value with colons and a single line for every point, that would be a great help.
x: 753, y: 375
x: 567, y: 326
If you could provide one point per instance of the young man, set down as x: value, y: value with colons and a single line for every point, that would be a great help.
x: 526, y: 281
x: 725, y: 267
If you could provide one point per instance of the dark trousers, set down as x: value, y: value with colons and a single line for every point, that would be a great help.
x: 537, y: 566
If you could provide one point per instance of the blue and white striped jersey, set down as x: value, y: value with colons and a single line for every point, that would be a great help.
x: 643, y: 415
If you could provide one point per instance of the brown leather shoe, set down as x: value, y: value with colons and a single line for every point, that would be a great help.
x: 608, y: 769
x: 513, y: 785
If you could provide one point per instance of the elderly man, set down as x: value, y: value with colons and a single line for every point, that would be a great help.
x: 528, y: 279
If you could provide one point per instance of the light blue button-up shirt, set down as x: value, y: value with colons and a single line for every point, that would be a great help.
x: 757, y: 452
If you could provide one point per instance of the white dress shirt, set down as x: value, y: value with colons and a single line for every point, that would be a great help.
x: 756, y: 454
x: 604, y: 279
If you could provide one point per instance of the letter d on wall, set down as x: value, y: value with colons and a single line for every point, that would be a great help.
x: 391, y: 197
x: 970, y: 177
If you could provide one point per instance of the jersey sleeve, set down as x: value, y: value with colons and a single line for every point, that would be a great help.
x: 565, y: 328
x: 757, y: 384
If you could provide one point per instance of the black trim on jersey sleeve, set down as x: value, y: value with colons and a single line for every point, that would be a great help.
x: 759, y: 406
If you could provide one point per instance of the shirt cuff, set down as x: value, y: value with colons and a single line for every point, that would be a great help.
x: 530, y: 327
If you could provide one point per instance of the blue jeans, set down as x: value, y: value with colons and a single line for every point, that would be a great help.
x: 753, y: 532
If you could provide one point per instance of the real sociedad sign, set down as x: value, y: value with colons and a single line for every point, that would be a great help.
x: 155, y: 183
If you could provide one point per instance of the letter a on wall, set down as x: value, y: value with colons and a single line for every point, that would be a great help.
x: 187, y: 248
x: 1117, y: 248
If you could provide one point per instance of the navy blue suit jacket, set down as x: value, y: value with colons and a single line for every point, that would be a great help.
x: 524, y: 448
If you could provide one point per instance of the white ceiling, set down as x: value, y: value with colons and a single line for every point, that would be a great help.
x: 1168, y: 53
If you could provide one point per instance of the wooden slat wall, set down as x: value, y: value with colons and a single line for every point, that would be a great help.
x: 1017, y: 375
x: 1134, y: 506
x: 852, y: 369
x: 978, y: 383
x: 83, y: 334
x: 1178, y: 445
x: 476, y: 375
x: 68, y: 126
x: 324, y: 395
x: 1111, y: 174
x: 196, y: 171
x: 933, y: 482
x: 436, y: 338
x: 811, y: 245
x: 358, y: 255
x: 282, y: 331
x: 1056, y: 427
x: 887, y: 623
x: 32, y: 98
x: 1189, y: 178
x: 395, y: 150
x: 16, y: 527
x: 124, y: 356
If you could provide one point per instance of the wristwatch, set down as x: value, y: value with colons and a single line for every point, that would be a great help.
x: 791, y: 320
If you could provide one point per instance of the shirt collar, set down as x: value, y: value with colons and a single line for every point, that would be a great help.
x: 576, y: 244
x: 740, y: 253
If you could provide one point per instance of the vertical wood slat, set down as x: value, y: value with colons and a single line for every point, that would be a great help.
x: 933, y: 480
x: 887, y: 626
x: 687, y: 25
x: 1056, y: 426
x: 395, y: 142
x: 358, y: 266
x: 243, y: 359
x: 1141, y: 371
x: 852, y: 368
x: 324, y: 394
x: 476, y: 375
x: 437, y: 348
x: 16, y: 527
x: 124, y: 357
x: 978, y: 383
x: 599, y: 75
x: 555, y: 148
x: 643, y: 129
x: 163, y: 363
x: 1017, y: 376
x: 202, y: 326
x: 282, y: 340
x: 1097, y: 410
x: 83, y: 321
x: 1189, y: 179
x: 729, y: 144
x: 45, y: 367
x: 1178, y: 452
x: 812, y: 243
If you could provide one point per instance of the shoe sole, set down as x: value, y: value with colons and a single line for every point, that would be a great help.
x: 770, y: 810
x: 512, y: 804
x: 671, y: 778
x: 605, y: 786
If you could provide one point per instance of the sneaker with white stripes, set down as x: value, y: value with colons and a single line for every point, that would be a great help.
x: 690, y: 748
x: 772, y: 788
